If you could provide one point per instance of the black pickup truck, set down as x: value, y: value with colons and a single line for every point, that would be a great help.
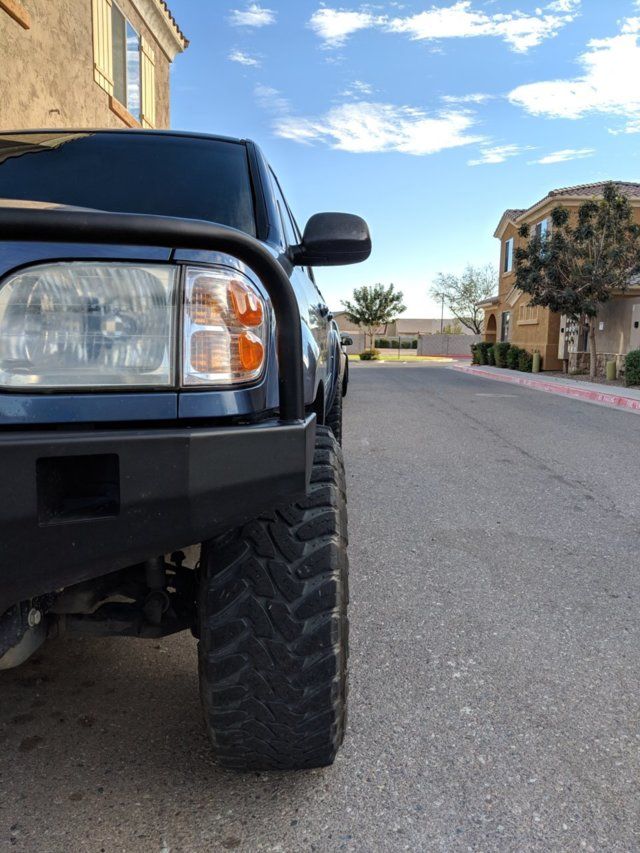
x: 170, y: 423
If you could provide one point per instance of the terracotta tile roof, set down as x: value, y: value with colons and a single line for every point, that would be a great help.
x: 174, y: 23
x: 628, y: 188
x: 514, y: 212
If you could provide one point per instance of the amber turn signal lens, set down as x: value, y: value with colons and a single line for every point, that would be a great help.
x: 251, y: 351
x: 247, y: 306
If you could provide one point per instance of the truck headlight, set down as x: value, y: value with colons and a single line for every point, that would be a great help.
x: 225, y: 328
x: 79, y: 325
x: 86, y: 325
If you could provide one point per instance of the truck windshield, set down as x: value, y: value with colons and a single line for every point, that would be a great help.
x: 193, y: 177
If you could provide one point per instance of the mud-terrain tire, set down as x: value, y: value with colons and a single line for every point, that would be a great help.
x: 334, y: 415
x: 274, y: 632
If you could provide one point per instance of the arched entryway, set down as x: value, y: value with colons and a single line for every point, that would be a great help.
x: 491, y: 329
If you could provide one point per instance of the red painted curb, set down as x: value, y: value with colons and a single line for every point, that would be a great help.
x: 615, y: 401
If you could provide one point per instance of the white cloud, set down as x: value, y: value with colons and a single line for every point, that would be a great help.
x: 243, y: 58
x: 357, y: 89
x: 253, y: 16
x: 366, y: 127
x: 498, y: 154
x: 334, y: 26
x: 271, y: 99
x: 520, y: 30
x: 608, y: 84
x: 474, y: 98
x: 565, y: 155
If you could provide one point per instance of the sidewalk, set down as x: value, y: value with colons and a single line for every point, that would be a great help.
x: 627, y: 399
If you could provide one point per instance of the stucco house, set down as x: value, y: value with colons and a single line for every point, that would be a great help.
x: 509, y: 317
x: 86, y: 63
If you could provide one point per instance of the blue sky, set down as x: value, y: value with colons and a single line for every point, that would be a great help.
x: 427, y: 118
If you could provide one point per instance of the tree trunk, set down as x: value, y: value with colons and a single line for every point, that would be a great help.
x: 593, y: 360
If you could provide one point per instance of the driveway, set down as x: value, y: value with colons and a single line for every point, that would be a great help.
x: 495, y: 663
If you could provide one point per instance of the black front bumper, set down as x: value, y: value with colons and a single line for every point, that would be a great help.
x: 77, y: 505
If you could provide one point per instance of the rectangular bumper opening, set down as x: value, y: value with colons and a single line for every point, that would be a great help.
x: 77, y: 488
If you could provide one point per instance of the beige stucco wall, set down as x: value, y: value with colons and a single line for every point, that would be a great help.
x: 616, y: 316
x: 46, y: 72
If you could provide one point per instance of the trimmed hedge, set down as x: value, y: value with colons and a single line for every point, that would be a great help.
x: 491, y: 355
x: 632, y: 368
x: 500, y: 352
x: 513, y: 357
x: 483, y: 352
x: 525, y: 361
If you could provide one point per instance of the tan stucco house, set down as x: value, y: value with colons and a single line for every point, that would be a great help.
x: 509, y: 317
x: 86, y: 63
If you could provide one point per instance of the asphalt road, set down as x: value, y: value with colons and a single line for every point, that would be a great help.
x: 494, y: 672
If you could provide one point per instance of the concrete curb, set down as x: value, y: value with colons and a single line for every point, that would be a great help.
x: 613, y: 401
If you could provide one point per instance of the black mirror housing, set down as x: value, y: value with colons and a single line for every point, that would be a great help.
x: 333, y: 239
x: 346, y: 340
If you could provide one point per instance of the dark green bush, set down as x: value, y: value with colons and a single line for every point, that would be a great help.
x: 525, y: 361
x: 632, y: 368
x: 407, y: 344
x: 491, y: 355
x: 483, y: 352
x: 501, y: 350
x: 382, y: 343
x: 369, y: 355
x: 475, y: 354
x: 512, y: 357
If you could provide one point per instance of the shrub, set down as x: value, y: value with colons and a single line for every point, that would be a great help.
x: 525, y: 361
x: 632, y: 368
x: 406, y: 344
x: 501, y: 350
x: 382, y: 343
x: 491, y: 355
x: 369, y: 355
x: 483, y: 350
x: 475, y: 354
x: 512, y: 357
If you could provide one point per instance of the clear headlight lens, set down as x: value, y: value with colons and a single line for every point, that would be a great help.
x: 225, y: 328
x: 79, y: 325
x: 106, y: 325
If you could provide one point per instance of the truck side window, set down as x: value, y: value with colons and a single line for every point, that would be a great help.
x: 288, y: 226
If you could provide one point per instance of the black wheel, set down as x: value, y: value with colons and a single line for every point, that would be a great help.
x: 274, y: 631
x: 334, y: 415
x: 345, y: 378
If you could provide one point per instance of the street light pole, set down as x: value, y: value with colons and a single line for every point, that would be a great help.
x: 442, y: 315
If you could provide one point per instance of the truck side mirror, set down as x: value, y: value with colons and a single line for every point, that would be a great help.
x: 333, y: 239
x: 346, y: 341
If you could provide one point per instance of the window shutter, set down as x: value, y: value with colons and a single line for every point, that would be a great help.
x: 102, y: 45
x: 148, y: 84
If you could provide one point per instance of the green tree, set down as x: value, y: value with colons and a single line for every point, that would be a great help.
x: 373, y: 306
x: 462, y: 294
x: 582, y: 261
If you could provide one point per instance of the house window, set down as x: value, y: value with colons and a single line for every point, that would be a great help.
x: 126, y: 63
x: 542, y: 228
x: 123, y: 65
x: 528, y: 314
x: 508, y: 255
x: 505, y: 328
